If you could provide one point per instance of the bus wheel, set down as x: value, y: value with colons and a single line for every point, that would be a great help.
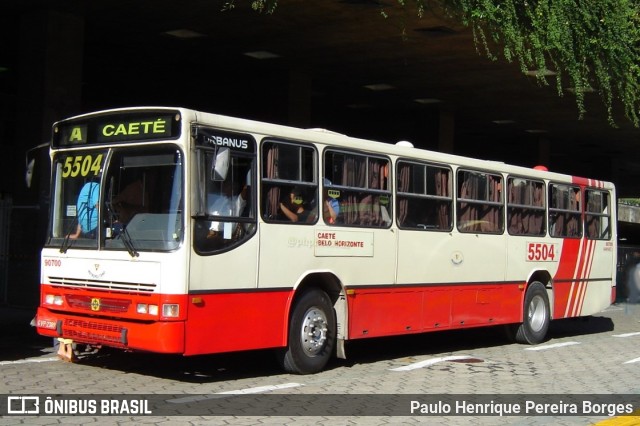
x: 312, y: 331
x: 536, y: 319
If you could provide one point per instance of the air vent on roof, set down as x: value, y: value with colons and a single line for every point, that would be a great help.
x: 404, y: 143
x: 318, y: 129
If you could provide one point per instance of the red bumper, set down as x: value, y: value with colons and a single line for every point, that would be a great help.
x: 157, y: 336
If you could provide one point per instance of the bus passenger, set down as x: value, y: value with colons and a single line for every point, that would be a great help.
x: 331, y: 210
x: 87, y: 211
x: 295, y: 211
x: 331, y: 207
x: 133, y: 199
x: 225, y: 203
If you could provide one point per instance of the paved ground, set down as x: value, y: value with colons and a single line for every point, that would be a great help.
x: 600, y: 355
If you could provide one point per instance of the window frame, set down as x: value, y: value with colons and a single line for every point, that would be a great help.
x: 578, y: 211
x: 588, y: 213
x: 364, y: 191
x: 244, y: 226
x: 425, y: 196
x: 477, y: 224
x: 310, y: 186
x: 512, y: 206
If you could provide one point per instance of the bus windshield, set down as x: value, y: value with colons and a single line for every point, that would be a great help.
x: 136, y: 204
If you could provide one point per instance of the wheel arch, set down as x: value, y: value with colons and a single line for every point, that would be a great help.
x: 328, y: 282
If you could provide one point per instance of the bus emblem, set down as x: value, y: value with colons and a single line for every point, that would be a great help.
x: 96, y: 272
x: 95, y: 304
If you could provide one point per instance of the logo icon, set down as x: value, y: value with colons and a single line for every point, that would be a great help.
x: 23, y: 405
x: 95, y: 304
x: 96, y: 271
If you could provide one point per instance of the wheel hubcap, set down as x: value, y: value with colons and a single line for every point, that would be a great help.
x: 537, y: 313
x: 314, y: 331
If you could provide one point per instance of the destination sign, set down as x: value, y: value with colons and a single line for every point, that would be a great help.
x: 117, y: 128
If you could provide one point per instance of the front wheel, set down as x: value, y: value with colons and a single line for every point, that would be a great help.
x: 537, y: 315
x: 312, y: 331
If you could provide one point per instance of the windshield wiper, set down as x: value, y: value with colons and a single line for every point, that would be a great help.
x: 128, y: 243
x: 68, y: 241
x: 123, y: 234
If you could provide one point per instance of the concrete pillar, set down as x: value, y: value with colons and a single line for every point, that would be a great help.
x: 50, y: 79
x: 48, y: 89
x: 50, y: 83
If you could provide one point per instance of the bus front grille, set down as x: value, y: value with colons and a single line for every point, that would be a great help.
x: 94, y: 332
x: 103, y: 285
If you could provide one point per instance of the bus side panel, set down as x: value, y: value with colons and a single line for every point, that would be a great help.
x: 226, y: 322
x: 392, y: 311
x: 385, y: 311
x: 486, y: 304
x: 568, y: 282
x: 437, y: 308
x: 584, y: 281
x: 601, y: 291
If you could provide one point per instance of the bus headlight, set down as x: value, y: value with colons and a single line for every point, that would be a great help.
x: 143, y: 308
x: 171, y: 310
x: 53, y: 299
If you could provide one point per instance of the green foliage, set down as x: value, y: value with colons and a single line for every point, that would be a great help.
x: 592, y: 45
x: 262, y: 6
x: 630, y: 201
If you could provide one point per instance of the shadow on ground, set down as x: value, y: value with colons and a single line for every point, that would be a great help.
x: 21, y: 341
x: 19, y: 338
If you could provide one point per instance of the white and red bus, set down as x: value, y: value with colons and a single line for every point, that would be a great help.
x: 177, y: 231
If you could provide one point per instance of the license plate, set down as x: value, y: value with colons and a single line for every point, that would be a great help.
x: 46, y: 323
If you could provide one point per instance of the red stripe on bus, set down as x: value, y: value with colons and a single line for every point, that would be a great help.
x: 579, y: 278
x: 592, y: 247
x: 565, y: 276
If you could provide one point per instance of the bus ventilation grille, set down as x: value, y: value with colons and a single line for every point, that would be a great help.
x: 103, y: 285
x: 93, y: 332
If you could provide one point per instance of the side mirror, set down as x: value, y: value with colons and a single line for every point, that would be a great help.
x: 29, y: 172
x: 220, y: 165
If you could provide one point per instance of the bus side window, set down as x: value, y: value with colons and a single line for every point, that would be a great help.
x: 365, y: 198
x: 564, y: 211
x: 424, y: 196
x: 480, y: 202
x: 289, y: 187
x: 597, y: 217
x: 228, y: 216
x: 525, y: 207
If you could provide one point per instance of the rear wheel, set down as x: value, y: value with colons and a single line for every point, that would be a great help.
x: 537, y: 315
x: 312, y: 331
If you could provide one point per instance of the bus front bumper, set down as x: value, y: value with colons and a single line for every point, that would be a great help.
x: 157, y: 336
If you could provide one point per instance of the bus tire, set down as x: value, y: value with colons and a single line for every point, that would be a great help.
x: 536, y: 315
x: 312, y: 331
